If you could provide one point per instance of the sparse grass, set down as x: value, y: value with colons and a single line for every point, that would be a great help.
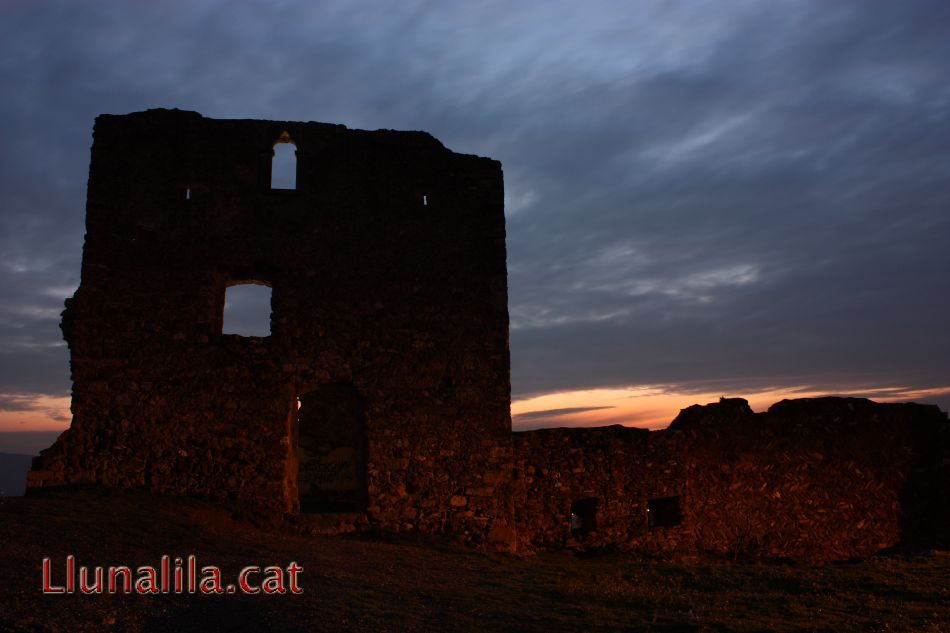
x: 433, y: 584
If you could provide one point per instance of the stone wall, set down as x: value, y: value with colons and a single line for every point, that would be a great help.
x: 820, y: 479
x: 388, y: 277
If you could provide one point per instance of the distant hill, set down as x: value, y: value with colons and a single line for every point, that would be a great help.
x: 13, y: 470
x: 26, y: 442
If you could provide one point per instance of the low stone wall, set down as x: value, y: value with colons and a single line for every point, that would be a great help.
x: 817, y: 479
x: 813, y: 479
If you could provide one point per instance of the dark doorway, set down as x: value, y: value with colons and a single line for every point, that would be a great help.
x: 331, y: 450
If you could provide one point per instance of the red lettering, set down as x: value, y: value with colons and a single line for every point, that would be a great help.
x: 148, y: 580
x: 166, y: 572
x: 70, y: 574
x: 192, y: 574
x: 211, y: 582
x: 274, y: 583
x: 242, y: 579
x: 179, y: 584
x: 84, y: 585
x: 292, y: 570
x: 126, y: 579
x: 47, y: 582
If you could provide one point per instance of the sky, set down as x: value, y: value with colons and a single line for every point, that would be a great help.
x: 703, y: 199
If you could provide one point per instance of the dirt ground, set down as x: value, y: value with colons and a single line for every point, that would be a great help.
x: 412, y: 584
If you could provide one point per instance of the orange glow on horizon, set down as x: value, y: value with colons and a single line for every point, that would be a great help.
x: 36, y: 412
x: 645, y: 406
x: 654, y: 407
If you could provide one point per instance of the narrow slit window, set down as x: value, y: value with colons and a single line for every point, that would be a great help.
x: 247, y: 309
x: 425, y: 201
x: 283, y: 174
x: 187, y: 193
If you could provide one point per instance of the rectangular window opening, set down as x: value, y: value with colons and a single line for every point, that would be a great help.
x: 664, y: 512
x: 247, y: 309
x: 584, y: 516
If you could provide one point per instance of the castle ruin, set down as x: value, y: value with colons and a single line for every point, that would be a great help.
x: 380, y: 397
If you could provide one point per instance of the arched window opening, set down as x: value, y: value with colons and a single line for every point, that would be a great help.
x: 283, y: 172
x: 247, y: 308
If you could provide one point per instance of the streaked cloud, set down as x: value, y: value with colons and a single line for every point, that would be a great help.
x: 33, y: 412
x: 749, y: 194
x: 553, y: 413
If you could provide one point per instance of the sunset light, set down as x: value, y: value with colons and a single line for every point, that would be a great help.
x: 34, y: 412
x: 654, y: 407
x: 475, y: 316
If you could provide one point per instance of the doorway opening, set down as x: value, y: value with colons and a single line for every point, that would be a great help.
x: 331, y: 450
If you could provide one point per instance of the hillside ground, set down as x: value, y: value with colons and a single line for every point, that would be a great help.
x: 431, y: 584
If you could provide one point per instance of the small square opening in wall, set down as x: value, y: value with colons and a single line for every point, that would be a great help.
x: 247, y: 308
x: 664, y: 512
x: 584, y: 516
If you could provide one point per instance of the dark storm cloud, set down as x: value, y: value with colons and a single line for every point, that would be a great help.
x: 725, y: 193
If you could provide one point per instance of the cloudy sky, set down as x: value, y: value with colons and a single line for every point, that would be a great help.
x: 704, y: 198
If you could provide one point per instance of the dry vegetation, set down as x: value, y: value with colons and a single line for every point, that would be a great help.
x: 364, y: 584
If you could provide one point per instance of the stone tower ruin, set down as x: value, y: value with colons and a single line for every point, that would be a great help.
x: 382, y: 390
